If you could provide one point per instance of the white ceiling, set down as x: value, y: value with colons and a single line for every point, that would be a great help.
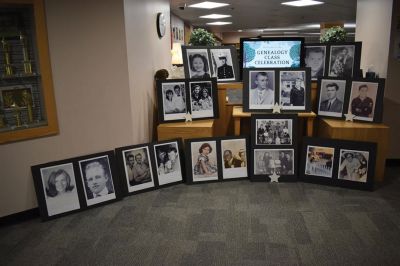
x: 250, y: 15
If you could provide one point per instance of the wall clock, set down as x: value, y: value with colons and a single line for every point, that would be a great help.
x: 161, y: 24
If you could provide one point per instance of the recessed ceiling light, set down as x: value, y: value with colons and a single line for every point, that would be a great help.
x: 219, y: 23
x: 300, y: 3
x: 208, y: 5
x: 216, y: 16
x: 240, y: 30
x: 313, y: 26
x: 349, y: 25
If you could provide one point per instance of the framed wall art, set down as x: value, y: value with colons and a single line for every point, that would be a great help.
x: 27, y: 107
x: 316, y: 55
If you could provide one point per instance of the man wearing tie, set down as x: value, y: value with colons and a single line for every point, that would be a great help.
x: 262, y: 96
x: 332, y: 104
x: 97, y: 178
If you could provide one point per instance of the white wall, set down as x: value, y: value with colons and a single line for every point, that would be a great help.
x: 147, y: 53
x: 373, y: 22
x: 103, y: 81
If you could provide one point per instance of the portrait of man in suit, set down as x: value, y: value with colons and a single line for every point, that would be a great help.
x: 261, y: 93
x: 332, y: 102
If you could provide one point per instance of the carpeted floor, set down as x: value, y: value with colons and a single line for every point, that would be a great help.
x: 231, y: 223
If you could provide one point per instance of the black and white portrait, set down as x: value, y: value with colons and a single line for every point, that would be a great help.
x: 174, y: 102
x: 201, y: 101
x: 199, y: 66
x: 168, y: 163
x: 353, y: 165
x: 97, y: 180
x: 341, y: 61
x: 138, y: 169
x: 204, y: 161
x: 59, y: 185
x: 292, y: 91
x: 222, y: 64
x: 315, y: 59
x: 233, y: 153
x: 274, y: 131
x: 261, y: 89
x: 319, y: 161
x: 269, y: 161
x: 363, y: 100
x: 331, y: 97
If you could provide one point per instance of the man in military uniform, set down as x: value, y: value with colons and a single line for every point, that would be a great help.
x: 362, y: 105
x: 225, y: 71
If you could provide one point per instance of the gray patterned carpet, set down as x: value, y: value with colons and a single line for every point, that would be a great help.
x: 232, y: 223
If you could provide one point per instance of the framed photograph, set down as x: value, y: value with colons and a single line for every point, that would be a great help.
x: 332, y: 97
x: 353, y: 165
x: 295, y: 90
x: 168, y: 162
x: 57, y: 189
x: 172, y: 100
x: 234, y: 154
x: 202, y: 160
x: 336, y: 162
x: 319, y: 161
x: 259, y: 90
x: 273, y: 165
x: 273, y: 130
x: 344, y: 60
x: 196, y: 62
x: 224, y: 63
x: 99, y: 178
x: 135, y: 165
x: 315, y: 58
x: 366, y: 99
x: 203, y: 97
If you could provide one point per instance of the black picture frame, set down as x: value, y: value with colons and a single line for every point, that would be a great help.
x: 106, y: 160
x: 123, y: 155
x: 316, y: 173
x: 189, y: 53
x: 258, y: 138
x: 281, y: 81
x: 180, y: 167
x: 210, y: 56
x: 200, y: 107
x: 266, y: 164
x: 270, y: 39
x: 46, y: 190
x: 369, y: 110
x: 312, y: 54
x: 228, y: 73
x: 332, y: 87
x: 339, y: 66
x: 217, y: 164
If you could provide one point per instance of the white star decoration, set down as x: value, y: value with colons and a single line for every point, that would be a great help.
x: 274, y: 177
x: 276, y: 109
x: 188, y: 117
x: 349, y: 117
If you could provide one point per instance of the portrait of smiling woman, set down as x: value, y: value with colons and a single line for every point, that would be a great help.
x: 60, y: 190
